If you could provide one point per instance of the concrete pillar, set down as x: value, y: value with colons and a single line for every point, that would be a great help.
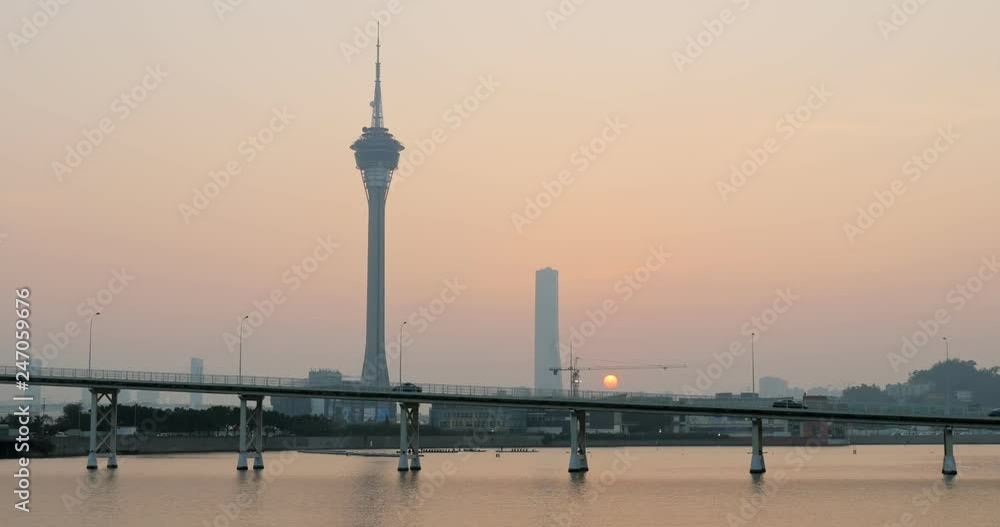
x: 578, y: 441
x: 92, y: 456
x: 403, y: 443
x: 949, y: 468
x: 757, y: 465
x: 241, y: 462
x: 113, y: 430
x: 413, y: 434
x: 258, y: 417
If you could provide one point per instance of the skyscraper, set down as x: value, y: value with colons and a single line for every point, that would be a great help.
x: 197, y: 369
x: 547, y: 329
x: 376, y: 153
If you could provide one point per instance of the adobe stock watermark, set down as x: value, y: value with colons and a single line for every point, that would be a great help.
x: 958, y: 297
x: 704, y: 39
x: 751, y: 506
x: 787, y: 126
x: 607, y: 478
x: 248, y: 149
x: 121, y: 107
x: 922, y: 503
x: 562, y: 12
x: 32, y: 25
x: 86, y: 488
x: 421, y: 319
x: 455, y: 116
x: 580, y: 159
x: 230, y: 512
x: 625, y: 289
x: 365, y: 36
x: 224, y: 7
x: 783, y: 300
x: 431, y: 481
x: 89, y: 307
x: 293, y: 277
x: 898, y: 17
x: 915, y: 167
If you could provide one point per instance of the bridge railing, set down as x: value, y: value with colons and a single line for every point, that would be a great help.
x: 237, y: 382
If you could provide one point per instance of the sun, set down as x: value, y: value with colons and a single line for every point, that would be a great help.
x: 611, y: 382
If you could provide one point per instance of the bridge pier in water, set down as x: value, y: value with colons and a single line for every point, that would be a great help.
x: 949, y: 468
x: 409, y: 437
x: 251, y: 432
x: 103, y: 427
x: 757, y: 465
x: 578, y: 441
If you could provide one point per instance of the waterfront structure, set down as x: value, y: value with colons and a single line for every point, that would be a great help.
x: 773, y: 387
x: 547, y: 330
x: 105, y: 385
x: 329, y: 408
x: 376, y: 154
x: 459, y: 418
x: 197, y: 370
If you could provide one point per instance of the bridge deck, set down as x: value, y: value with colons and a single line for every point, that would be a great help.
x: 508, y: 397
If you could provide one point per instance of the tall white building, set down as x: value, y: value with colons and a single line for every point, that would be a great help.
x: 547, y: 330
x: 197, y: 370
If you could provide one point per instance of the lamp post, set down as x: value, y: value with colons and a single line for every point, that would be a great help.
x: 753, y: 363
x: 241, y: 348
x: 400, y: 344
x: 90, y: 345
x: 947, y: 378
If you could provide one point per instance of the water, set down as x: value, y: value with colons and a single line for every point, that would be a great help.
x: 691, y: 487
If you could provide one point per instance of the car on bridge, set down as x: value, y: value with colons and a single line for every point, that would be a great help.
x: 407, y: 387
x: 789, y: 403
x: 995, y: 412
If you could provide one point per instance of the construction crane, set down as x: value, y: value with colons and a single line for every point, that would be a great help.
x: 575, y: 369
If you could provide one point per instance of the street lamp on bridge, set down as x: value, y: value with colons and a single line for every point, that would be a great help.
x: 90, y: 345
x: 240, y: 371
x: 400, y: 344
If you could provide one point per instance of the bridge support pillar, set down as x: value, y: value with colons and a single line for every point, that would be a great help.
x: 409, y: 437
x: 251, y: 432
x: 103, y: 427
x: 949, y: 468
x: 578, y: 441
x: 757, y: 465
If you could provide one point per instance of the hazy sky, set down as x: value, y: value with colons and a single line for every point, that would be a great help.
x: 843, y: 94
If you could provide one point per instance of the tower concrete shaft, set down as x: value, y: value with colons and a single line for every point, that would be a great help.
x: 375, y: 368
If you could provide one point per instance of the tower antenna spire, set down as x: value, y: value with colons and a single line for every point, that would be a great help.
x: 377, y: 121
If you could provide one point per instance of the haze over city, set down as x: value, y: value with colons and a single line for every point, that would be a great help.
x: 500, y: 102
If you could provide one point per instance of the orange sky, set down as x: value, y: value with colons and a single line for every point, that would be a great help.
x: 553, y: 92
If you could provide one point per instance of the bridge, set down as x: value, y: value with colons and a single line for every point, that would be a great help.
x: 105, y: 385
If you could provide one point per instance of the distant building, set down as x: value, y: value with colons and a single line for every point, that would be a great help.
x: 329, y: 408
x: 292, y: 406
x: 551, y: 422
x: 547, y: 330
x: 197, y: 370
x: 470, y: 418
x: 907, y: 391
x: 324, y: 378
x: 773, y: 387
